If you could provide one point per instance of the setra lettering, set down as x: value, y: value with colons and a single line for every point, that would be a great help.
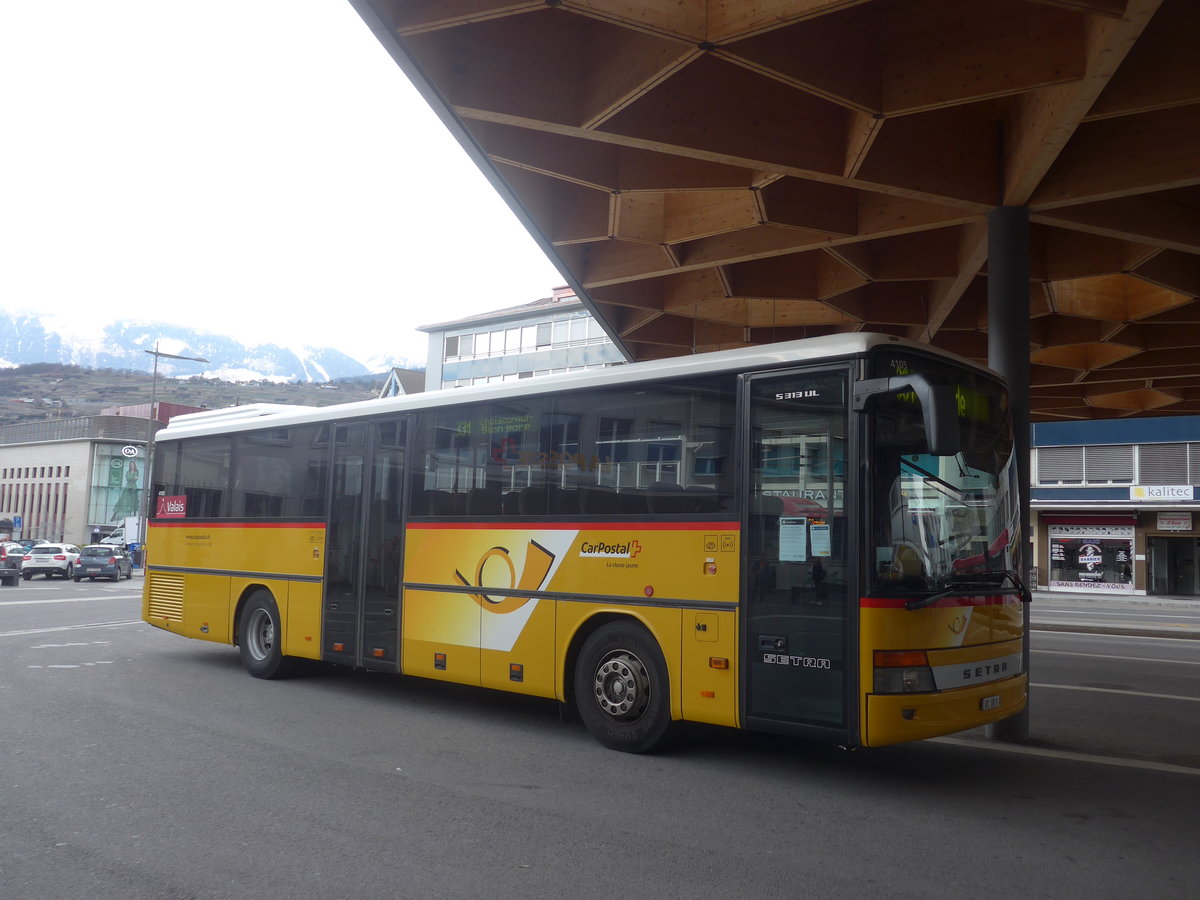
x: 984, y: 671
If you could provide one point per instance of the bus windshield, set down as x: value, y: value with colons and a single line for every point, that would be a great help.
x: 942, y: 522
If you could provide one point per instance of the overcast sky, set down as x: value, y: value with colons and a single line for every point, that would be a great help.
x: 258, y: 168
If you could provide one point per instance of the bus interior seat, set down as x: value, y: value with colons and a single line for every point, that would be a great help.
x: 765, y: 505
x: 532, y: 501
x: 562, y: 502
x: 483, y: 502
x: 598, y: 501
x: 438, y: 503
x: 666, y: 497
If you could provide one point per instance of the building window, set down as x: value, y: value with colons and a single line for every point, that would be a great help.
x: 1060, y: 465
x: 1108, y: 464
x: 1163, y: 464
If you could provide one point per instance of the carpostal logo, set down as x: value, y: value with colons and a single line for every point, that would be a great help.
x: 610, y: 550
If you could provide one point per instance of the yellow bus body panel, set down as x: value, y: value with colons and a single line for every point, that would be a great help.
x: 440, y: 636
x: 954, y: 634
x: 300, y: 618
x: 709, y: 691
x: 471, y: 614
x: 197, y: 573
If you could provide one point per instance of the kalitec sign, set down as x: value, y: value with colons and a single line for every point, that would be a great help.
x: 171, y: 507
x: 1161, y: 492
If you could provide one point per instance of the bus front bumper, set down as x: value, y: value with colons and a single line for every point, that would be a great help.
x: 897, y: 718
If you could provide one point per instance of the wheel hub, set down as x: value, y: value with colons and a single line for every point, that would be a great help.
x: 622, y: 685
x: 261, y: 637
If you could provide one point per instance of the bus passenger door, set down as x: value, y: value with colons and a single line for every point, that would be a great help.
x: 363, y: 544
x: 344, y: 546
x: 796, y: 544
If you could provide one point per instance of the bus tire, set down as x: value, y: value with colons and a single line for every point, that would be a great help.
x: 622, y: 690
x: 259, y: 638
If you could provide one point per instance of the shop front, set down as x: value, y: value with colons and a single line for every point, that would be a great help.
x: 1091, y: 555
x: 1172, y: 554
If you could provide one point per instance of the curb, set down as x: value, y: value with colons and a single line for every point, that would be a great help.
x: 1122, y: 630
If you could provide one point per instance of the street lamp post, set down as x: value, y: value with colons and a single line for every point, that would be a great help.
x: 145, y: 510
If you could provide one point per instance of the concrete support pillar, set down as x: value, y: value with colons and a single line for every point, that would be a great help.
x: 1008, y: 354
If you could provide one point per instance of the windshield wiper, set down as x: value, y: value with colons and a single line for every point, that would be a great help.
x: 972, y: 589
x: 925, y: 473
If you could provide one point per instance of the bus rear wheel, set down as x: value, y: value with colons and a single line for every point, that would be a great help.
x: 621, y: 688
x: 260, y: 638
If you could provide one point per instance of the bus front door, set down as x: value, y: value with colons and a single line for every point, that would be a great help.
x: 361, y: 625
x: 796, y: 550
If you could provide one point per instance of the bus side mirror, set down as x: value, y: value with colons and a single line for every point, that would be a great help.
x: 939, y: 408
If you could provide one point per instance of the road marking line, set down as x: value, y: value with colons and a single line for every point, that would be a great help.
x: 1154, y: 659
x: 4, y: 603
x: 1047, y: 753
x: 72, y: 628
x: 1100, y: 690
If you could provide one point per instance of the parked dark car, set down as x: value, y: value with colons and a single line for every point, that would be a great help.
x: 11, y: 556
x: 103, y: 561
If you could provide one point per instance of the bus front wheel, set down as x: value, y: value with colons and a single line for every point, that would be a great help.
x: 621, y: 688
x: 260, y: 638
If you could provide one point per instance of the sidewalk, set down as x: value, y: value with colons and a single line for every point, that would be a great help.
x: 1150, y: 616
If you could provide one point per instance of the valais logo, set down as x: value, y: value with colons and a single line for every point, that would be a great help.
x: 172, y: 507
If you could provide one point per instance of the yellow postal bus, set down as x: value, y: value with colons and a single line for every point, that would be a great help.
x: 817, y: 537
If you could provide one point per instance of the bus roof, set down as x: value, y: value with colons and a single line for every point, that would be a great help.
x: 765, y: 356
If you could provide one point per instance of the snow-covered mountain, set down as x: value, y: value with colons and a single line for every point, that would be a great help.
x: 29, y: 338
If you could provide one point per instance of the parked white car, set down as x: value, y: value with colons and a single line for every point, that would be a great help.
x: 50, y: 560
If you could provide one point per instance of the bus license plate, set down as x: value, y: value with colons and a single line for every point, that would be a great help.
x: 992, y: 702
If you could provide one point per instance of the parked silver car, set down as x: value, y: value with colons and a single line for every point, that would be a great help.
x: 103, y: 561
x: 49, y: 560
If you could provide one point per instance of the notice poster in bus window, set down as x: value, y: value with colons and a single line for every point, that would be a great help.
x: 793, y: 539
x: 820, y: 539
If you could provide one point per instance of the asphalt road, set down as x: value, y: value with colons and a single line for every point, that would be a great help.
x: 1100, y: 614
x: 134, y: 764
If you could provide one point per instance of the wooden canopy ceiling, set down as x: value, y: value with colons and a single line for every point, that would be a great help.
x: 715, y: 173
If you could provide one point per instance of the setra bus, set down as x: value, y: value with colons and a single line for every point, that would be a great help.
x: 817, y: 537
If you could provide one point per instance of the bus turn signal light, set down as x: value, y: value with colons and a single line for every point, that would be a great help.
x: 897, y: 658
x: 718, y: 662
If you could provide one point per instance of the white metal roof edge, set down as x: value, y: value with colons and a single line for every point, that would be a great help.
x: 748, y: 358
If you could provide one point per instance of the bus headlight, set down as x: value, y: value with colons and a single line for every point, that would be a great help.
x: 902, y: 672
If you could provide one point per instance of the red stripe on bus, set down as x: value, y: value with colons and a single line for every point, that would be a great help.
x: 183, y: 523
x: 573, y: 526
x: 898, y: 602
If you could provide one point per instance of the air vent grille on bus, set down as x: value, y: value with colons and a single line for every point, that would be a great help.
x: 166, y: 597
